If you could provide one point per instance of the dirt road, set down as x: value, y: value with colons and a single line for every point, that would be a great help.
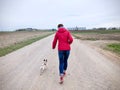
x: 88, y: 69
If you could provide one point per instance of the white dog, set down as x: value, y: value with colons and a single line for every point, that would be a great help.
x: 43, y: 67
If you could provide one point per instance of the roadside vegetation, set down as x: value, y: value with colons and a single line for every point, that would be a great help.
x: 106, y: 36
x: 115, y: 47
x: 19, y: 44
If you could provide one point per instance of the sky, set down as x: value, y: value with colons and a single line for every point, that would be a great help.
x: 47, y: 14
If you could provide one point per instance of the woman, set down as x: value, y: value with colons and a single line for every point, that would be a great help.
x: 64, y: 39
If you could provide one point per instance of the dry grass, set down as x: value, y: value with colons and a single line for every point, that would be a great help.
x: 10, y: 38
x: 98, y: 35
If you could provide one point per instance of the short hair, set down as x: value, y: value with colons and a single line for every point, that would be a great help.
x: 60, y: 25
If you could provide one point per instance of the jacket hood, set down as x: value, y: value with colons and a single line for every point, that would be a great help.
x: 61, y: 30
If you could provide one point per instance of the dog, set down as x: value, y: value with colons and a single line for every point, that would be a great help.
x: 43, y: 66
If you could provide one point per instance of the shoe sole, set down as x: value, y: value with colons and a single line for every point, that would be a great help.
x: 61, y: 82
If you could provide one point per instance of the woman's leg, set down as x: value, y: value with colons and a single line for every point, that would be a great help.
x: 61, y: 62
x: 66, y: 55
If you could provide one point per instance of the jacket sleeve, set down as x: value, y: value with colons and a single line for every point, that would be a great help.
x: 70, y: 39
x: 54, y: 41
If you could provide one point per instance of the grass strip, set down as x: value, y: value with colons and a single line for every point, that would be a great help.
x: 11, y: 48
x: 115, y: 47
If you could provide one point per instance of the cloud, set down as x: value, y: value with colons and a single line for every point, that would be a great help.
x: 48, y: 13
x: 109, y: 24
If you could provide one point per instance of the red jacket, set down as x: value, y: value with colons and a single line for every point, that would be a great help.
x: 64, y: 39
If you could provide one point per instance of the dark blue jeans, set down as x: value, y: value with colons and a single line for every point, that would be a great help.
x: 63, y: 58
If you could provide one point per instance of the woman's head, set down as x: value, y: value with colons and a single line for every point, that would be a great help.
x: 60, y: 25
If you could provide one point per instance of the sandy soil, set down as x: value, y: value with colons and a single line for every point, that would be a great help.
x: 88, y: 69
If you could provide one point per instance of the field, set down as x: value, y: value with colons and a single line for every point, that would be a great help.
x: 10, y: 38
x: 11, y: 41
x: 104, y: 39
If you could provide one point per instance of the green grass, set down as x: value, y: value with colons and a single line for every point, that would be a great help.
x: 91, y: 39
x: 11, y: 48
x: 115, y: 47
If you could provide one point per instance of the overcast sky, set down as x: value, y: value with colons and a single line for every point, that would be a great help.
x: 45, y: 14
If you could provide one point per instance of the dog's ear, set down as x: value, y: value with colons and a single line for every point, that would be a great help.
x: 44, y: 60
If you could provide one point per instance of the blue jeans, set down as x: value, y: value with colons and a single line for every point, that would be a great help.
x: 63, y: 57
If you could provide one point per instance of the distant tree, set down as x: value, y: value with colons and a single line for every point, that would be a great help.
x: 101, y: 28
x: 20, y: 30
x: 114, y: 28
x: 94, y: 29
x: 53, y: 29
